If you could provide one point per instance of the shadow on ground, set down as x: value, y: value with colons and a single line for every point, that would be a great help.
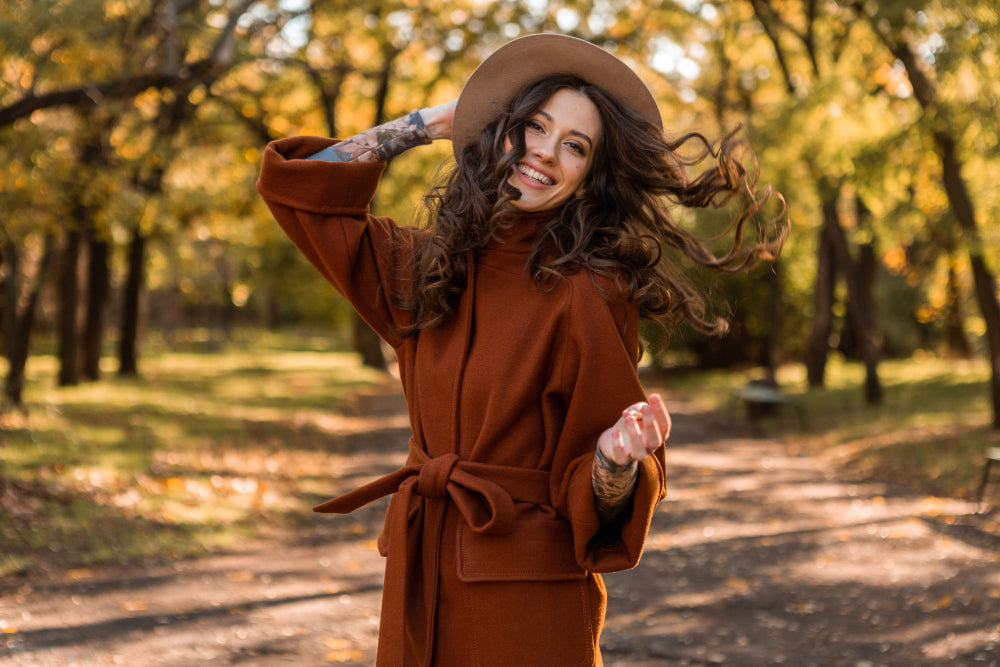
x: 757, y: 557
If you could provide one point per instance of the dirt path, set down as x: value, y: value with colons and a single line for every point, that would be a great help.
x: 758, y: 557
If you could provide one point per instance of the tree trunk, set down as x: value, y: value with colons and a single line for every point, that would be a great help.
x: 128, y: 346
x: 819, y: 339
x: 772, y: 345
x: 986, y: 290
x: 368, y: 345
x: 20, y: 323
x: 68, y: 305
x: 98, y: 289
x: 867, y: 265
x: 856, y: 301
x: 958, y: 341
x: 925, y: 92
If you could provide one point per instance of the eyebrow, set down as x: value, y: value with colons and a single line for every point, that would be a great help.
x: 582, y: 135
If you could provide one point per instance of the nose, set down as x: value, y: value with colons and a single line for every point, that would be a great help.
x: 544, y: 151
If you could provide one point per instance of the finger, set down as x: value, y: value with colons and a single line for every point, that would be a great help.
x: 661, y: 414
x: 651, y: 435
x: 634, y: 408
x: 620, y: 450
x: 636, y: 437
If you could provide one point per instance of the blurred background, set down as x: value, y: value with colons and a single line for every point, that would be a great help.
x: 135, y: 252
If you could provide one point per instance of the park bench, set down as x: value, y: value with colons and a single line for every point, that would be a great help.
x: 992, y: 456
x: 763, y: 399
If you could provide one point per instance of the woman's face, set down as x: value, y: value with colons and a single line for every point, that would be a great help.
x: 559, y: 146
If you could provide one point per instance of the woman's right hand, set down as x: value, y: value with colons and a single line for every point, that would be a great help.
x: 642, y: 428
x: 438, y: 119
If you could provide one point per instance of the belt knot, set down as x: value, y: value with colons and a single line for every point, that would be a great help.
x: 434, y: 475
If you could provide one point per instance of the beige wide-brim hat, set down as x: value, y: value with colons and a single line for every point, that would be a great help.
x: 499, y: 78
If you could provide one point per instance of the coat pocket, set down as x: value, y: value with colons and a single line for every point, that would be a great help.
x: 528, y: 602
x: 539, y: 549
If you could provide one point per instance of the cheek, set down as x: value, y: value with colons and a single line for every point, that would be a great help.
x: 580, y: 174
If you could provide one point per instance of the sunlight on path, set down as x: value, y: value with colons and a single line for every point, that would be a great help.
x: 756, y: 557
x: 763, y: 557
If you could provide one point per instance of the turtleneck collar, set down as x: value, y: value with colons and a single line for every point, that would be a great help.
x: 520, y: 236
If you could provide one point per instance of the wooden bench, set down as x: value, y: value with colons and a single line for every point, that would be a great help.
x: 762, y: 399
x: 992, y: 456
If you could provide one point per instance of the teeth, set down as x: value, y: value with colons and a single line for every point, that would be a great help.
x: 534, y: 174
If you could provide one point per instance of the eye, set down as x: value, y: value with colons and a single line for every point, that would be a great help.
x: 576, y: 147
x: 533, y: 125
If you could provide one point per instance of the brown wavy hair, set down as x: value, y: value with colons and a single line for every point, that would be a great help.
x: 618, y: 228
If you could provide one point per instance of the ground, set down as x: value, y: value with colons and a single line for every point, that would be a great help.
x: 760, y: 555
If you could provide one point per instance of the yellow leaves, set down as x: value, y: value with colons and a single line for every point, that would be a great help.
x: 893, y: 79
x: 281, y: 125
x: 342, y: 650
x: 148, y: 102
x: 175, y: 485
x: 895, y: 259
x: 197, y: 95
x: 116, y: 8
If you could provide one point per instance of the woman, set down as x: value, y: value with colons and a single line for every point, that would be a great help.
x: 536, y: 459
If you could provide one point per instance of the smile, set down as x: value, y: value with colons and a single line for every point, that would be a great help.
x: 535, y: 175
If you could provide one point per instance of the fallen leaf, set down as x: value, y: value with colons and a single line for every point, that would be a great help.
x: 345, y: 655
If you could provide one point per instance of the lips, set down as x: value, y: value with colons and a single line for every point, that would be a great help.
x: 534, y: 174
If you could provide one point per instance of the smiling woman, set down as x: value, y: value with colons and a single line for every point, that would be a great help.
x: 536, y: 460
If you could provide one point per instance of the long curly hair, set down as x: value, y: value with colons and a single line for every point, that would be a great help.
x: 618, y: 228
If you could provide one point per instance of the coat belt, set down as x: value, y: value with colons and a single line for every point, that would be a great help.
x: 484, y: 494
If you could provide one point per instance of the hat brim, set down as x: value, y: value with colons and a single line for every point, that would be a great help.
x: 499, y: 78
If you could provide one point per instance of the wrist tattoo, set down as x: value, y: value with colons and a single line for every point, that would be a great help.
x: 379, y: 143
x: 613, y: 485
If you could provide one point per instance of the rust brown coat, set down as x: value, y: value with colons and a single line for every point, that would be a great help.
x: 489, y: 536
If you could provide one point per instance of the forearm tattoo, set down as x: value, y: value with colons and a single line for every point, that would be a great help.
x: 613, y: 485
x: 379, y: 143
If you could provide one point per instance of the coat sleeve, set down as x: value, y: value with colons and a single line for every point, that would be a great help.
x: 600, y: 380
x: 324, y: 208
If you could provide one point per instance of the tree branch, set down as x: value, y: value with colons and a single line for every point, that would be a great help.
x: 199, y: 71
x: 760, y: 8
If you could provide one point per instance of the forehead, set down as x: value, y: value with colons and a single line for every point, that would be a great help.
x: 574, y: 110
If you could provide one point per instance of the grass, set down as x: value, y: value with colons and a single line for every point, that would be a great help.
x: 928, y: 434
x: 201, y: 451
x: 212, y: 446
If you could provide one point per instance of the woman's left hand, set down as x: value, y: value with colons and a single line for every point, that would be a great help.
x: 438, y: 119
x: 642, y: 428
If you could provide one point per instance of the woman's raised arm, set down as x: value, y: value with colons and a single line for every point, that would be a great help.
x: 389, y: 139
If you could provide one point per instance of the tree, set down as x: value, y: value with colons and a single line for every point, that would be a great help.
x: 833, y: 242
x: 892, y: 27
